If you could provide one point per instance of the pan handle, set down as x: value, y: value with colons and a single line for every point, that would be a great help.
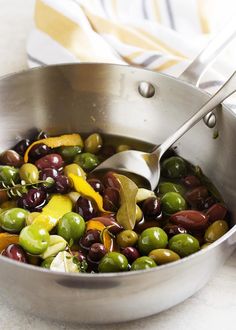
x: 200, y: 64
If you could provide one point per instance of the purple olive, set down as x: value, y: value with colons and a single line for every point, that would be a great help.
x: 172, y: 230
x: 38, y: 151
x: 33, y: 200
x: 22, y: 146
x: 151, y: 208
x: 107, y: 151
x: 86, y: 208
x: 96, y: 251
x: 50, y: 161
x: 61, y: 185
x: 131, y: 253
x: 111, y: 199
x: 90, y: 237
x: 79, y: 255
x: 196, y: 195
x: 216, y: 212
x: 97, y: 185
x: 109, y: 180
x: 15, y: 252
x: 48, y: 173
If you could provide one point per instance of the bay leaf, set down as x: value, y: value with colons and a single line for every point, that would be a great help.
x: 126, y: 215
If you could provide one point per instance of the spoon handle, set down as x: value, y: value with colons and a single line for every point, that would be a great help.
x: 225, y: 91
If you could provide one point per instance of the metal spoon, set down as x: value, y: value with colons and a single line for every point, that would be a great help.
x: 147, y: 165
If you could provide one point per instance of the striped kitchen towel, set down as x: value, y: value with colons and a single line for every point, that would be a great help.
x: 161, y: 35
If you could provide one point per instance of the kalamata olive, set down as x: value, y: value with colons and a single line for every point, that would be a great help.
x: 111, y: 199
x: 191, y: 181
x: 97, y: 185
x: 33, y: 200
x: 127, y: 238
x: 11, y: 158
x: 163, y: 256
x: 86, y: 208
x: 174, y: 167
x: 109, y: 180
x: 87, y: 161
x: 38, y: 151
x: 29, y: 173
x: 15, y: 252
x: 190, y: 219
x: 107, y: 151
x: 93, y: 143
x: 113, y: 262
x: 122, y: 147
x: 61, y: 184
x: 51, y: 160
x: 216, y: 212
x: 152, y: 238
x: 48, y: 173
x: 90, y: 237
x: 143, y: 263
x: 172, y: 230
x: 195, y: 195
x: 172, y: 202
x: 131, y: 253
x: 96, y: 251
x: 22, y: 146
x: 215, y: 231
x: 151, y: 208
x: 184, y: 244
x: 206, y: 203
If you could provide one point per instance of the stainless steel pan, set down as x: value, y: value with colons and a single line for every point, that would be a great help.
x: 106, y: 98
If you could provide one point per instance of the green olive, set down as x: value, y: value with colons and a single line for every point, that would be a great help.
x: 34, y: 239
x: 13, y: 220
x: 184, y: 244
x: 163, y: 256
x: 47, y: 262
x: 29, y: 173
x: 205, y: 245
x: 71, y: 226
x: 9, y: 174
x: 139, y: 214
x: 113, y: 262
x: 174, y: 167
x: 122, y: 147
x: 143, y: 263
x: 215, y: 231
x: 127, y: 238
x: 165, y: 187
x: 87, y: 161
x: 93, y: 143
x: 152, y: 238
x: 74, y: 169
x: 69, y: 153
x: 173, y: 202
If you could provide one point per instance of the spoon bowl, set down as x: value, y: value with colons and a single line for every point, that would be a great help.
x: 147, y: 165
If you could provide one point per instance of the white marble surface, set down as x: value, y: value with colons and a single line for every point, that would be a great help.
x: 214, y: 307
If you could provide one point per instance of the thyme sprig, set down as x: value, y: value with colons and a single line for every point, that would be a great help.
x: 18, y: 189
